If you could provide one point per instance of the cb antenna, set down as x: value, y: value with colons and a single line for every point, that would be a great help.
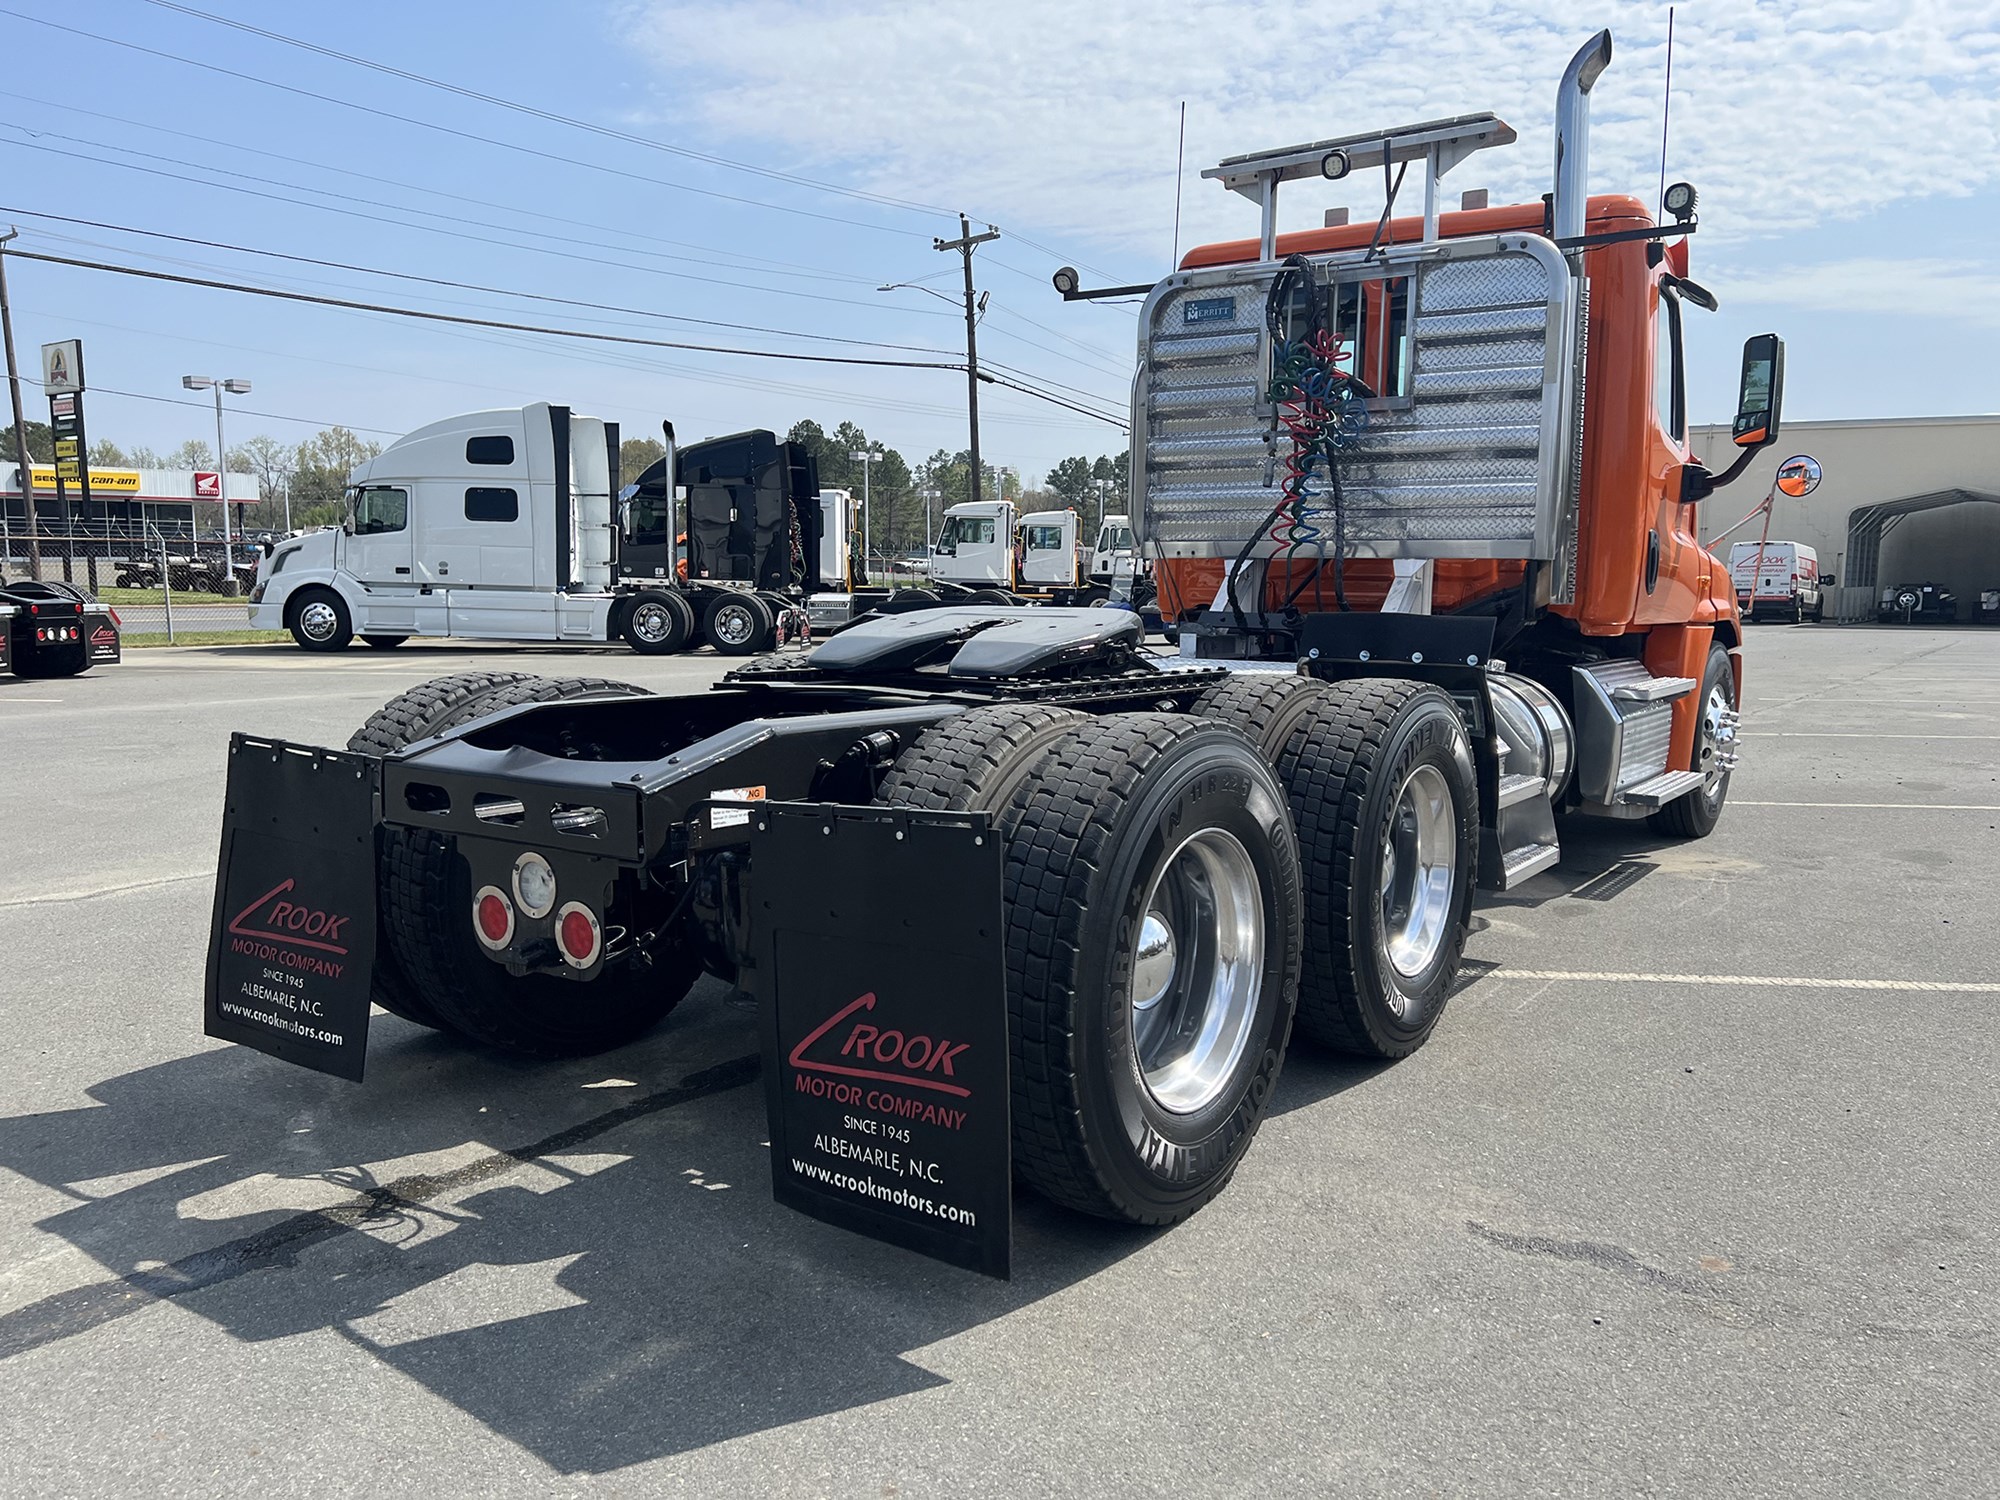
x: 1180, y: 171
x: 1666, y: 110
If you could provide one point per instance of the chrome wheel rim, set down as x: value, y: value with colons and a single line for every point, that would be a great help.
x: 1716, y: 756
x: 319, y: 621
x: 1198, y: 971
x: 650, y: 623
x: 1419, y: 871
x: 733, y: 624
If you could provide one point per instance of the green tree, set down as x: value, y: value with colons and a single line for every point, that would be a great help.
x: 193, y: 454
x: 636, y: 456
x: 105, y: 454
x: 319, y: 479
x: 271, y: 461
x: 41, y: 442
x: 1071, y: 481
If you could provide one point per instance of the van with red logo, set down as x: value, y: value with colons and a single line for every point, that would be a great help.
x: 1778, y: 581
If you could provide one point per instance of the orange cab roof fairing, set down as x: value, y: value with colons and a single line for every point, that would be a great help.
x: 1457, y: 224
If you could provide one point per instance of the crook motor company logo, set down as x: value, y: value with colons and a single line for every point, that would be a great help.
x: 847, y: 1055
x: 278, y: 927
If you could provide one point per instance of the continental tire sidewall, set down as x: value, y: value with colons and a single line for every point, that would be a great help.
x: 1431, y: 734
x: 1161, y: 1161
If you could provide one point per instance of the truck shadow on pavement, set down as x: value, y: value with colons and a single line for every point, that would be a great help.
x: 615, y: 1286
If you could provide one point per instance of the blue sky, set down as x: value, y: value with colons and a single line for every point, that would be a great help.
x: 1848, y: 157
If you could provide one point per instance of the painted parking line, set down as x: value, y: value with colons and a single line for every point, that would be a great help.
x: 1774, y: 981
x: 1892, y: 806
x: 1813, y: 734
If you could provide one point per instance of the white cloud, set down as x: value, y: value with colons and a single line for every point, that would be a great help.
x: 1962, y: 291
x: 1060, y: 118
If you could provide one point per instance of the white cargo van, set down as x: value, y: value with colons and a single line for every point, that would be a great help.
x: 1783, y: 584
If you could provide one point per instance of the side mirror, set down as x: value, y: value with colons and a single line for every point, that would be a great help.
x: 1827, y: 580
x: 1760, y: 396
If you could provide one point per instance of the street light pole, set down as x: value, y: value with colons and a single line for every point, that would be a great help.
x: 235, y: 388
x: 20, y: 422
x: 865, y: 457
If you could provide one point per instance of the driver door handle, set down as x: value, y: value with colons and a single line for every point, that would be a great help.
x: 402, y: 570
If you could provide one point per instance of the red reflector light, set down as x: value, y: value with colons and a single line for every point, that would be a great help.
x: 578, y: 935
x: 492, y: 918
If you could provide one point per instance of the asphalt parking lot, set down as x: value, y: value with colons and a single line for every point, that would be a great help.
x: 1692, y: 1192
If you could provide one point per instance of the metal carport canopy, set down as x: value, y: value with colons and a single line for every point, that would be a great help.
x: 1868, y: 524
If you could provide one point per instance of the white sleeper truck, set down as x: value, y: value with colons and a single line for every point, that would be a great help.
x: 508, y: 525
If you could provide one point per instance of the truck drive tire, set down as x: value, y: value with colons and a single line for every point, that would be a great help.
x: 975, y: 761
x: 318, y: 620
x: 657, y: 623
x: 1144, y: 852
x: 1267, y: 706
x: 426, y: 898
x: 1153, y: 926
x: 1382, y: 785
x: 997, y: 597
x: 385, y: 642
x: 1695, y: 814
x: 403, y: 720
x: 738, y: 624
x: 904, y: 600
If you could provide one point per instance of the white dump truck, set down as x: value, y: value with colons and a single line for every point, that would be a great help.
x: 509, y: 525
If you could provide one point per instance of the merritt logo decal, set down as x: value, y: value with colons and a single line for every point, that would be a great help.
x: 286, y: 921
x: 868, y: 1051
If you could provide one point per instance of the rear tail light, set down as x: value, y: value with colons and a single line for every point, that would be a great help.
x: 578, y: 935
x: 493, y: 918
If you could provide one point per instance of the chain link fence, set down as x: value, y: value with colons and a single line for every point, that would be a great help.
x: 164, y: 587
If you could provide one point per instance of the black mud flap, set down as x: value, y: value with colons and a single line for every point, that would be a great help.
x: 882, y: 987
x: 102, y: 635
x: 292, y: 943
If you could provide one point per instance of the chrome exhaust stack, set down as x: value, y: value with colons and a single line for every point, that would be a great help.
x: 1572, y: 189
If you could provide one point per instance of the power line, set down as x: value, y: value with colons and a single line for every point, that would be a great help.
x: 731, y: 258
x: 860, y: 195
x: 567, y: 333
x: 405, y: 223
x: 1118, y: 422
x: 438, y: 317
x: 243, y: 411
x: 464, y: 286
x: 466, y: 135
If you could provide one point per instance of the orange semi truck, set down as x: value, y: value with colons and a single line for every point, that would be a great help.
x: 1457, y: 417
x: 1018, y: 895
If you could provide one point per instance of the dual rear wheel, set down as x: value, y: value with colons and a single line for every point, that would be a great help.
x: 1181, y: 888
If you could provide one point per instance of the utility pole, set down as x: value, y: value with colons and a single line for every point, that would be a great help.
x: 965, y: 244
x: 20, y: 422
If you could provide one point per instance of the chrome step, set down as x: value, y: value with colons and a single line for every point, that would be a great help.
x: 1515, y: 789
x: 1653, y: 689
x: 1659, y: 790
x: 1516, y: 865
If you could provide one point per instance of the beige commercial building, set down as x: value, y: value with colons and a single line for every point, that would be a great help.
x: 1903, y: 500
